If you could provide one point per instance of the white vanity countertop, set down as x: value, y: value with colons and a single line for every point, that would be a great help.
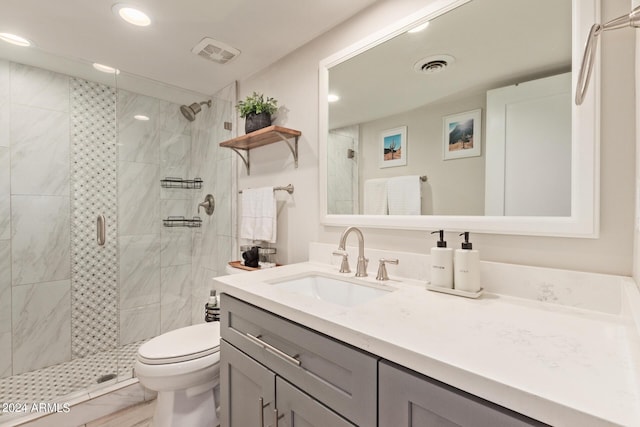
x: 559, y: 365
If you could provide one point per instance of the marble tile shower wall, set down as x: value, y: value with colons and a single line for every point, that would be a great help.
x: 35, y: 259
x: 155, y: 261
x: 213, y: 242
x: 165, y: 273
x: 5, y: 223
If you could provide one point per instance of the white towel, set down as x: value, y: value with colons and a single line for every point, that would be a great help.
x: 403, y: 195
x: 259, y: 215
x: 375, y: 196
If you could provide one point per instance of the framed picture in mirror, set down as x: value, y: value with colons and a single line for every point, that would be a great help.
x: 462, y: 135
x: 393, y: 147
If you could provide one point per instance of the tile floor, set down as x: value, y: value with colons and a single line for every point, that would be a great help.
x: 54, y: 382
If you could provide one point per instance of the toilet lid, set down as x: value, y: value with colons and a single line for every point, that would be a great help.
x: 181, y: 345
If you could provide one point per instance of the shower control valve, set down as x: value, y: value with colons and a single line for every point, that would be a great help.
x: 209, y: 204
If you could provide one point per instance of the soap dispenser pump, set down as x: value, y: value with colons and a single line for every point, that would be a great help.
x: 467, y: 266
x: 441, y: 263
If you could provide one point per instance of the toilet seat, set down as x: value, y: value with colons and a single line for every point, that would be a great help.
x: 181, y: 345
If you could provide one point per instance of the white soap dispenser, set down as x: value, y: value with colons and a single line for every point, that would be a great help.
x: 441, y: 263
x: 467, y: 267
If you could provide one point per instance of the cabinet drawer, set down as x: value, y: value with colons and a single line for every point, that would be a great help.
x: 341, y: 377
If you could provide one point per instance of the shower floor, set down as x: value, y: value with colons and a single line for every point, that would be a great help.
x: 54, y: 382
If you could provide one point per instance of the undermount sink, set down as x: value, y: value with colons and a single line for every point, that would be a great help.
x: 331, y: 289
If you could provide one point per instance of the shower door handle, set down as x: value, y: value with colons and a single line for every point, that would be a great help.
x: 101, y: 230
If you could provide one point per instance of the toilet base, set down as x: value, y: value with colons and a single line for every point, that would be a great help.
x: 176, y: 409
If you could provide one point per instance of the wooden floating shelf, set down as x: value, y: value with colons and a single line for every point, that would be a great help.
x: 262, y: 137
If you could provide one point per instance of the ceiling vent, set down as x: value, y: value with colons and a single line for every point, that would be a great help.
x: 433, y: 64
x: 215, y: 50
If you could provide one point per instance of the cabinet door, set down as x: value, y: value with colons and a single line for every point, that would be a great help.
x: 297, y: 409
x: 247, y: 390
x: 409, y: 399
x: 343, y: 378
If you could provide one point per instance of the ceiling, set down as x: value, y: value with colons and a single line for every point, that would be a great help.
x: 494, y: 43
x: 76, y: 33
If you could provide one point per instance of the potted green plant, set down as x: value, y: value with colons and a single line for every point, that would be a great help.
x: 257, y: 111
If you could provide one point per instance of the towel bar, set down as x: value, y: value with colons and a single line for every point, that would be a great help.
x: 288, y: 189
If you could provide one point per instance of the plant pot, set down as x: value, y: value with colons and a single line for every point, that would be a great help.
x: 253, y: 121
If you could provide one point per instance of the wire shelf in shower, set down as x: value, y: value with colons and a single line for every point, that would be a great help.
x: 180, y: 221
x: 173, y: 182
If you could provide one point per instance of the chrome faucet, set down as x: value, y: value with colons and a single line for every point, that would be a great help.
x: 361, y: 269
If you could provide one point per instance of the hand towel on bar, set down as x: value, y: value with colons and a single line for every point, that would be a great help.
x: 259, y: 215
x: 375, y: 196
x: 403, y: 195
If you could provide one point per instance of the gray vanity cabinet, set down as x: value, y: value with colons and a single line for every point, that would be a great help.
x: 342, y: 380
x: 256, y: 396
x: 407, y: 398
x: 270, y: 364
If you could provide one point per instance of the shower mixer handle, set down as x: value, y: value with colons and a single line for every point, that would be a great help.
x: 209, y: 204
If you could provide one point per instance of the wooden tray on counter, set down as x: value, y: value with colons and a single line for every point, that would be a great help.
x: 238, y: 264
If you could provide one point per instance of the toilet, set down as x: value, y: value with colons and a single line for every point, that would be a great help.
x: 183, y: 366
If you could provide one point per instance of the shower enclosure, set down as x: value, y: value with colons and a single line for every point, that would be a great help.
x: 88, y: 270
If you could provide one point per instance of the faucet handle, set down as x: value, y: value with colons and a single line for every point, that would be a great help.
x: 382, y: 269
x: 344, y: 266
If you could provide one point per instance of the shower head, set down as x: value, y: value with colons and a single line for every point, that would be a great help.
x: 190, y: 111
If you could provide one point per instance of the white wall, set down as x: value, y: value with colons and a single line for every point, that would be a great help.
x: 294, y: 82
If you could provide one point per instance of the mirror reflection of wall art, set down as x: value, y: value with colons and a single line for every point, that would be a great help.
x: 462, y: 135
x: 393, y: 147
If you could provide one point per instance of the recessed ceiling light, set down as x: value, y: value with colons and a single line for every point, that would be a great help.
x: 132, y: 15
x: 14, y: 39
x: 419, y: 28
x: 141, y: 117
x: 333, y: 97
x: 105, y: 68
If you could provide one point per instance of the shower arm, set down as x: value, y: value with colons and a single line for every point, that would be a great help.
x: 588, y: 58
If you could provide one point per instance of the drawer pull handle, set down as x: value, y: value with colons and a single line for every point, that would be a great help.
x: 276, y: 417
x: 272, y: 349
x: 262, y: 406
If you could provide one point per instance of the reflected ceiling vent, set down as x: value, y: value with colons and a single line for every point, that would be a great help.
x: 433, y: 64
x: 215, y: 50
